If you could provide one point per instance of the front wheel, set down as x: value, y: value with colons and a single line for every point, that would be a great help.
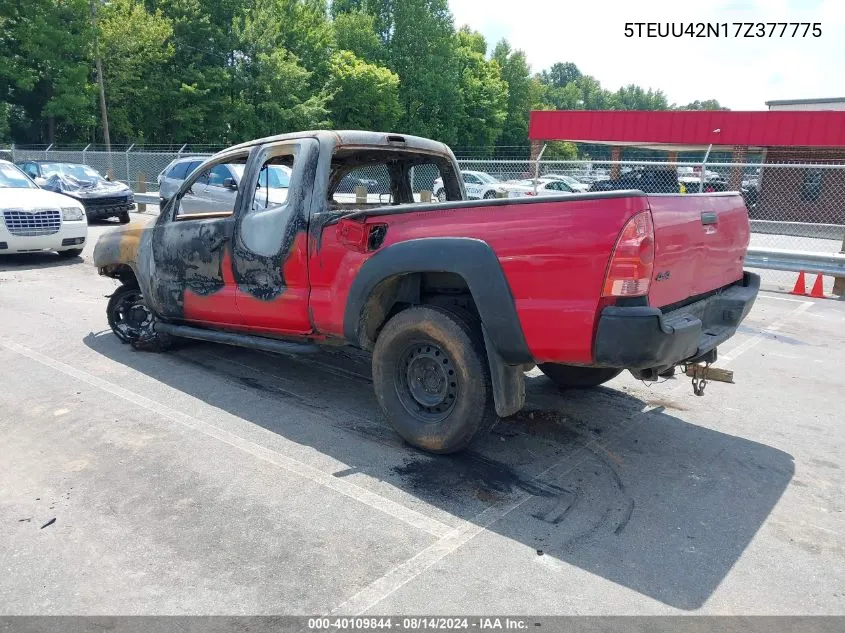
x: 132, y: 321
x: 124, y: 218
x: 572, y: 377
x: 431, y: 379
x: 489, y: 195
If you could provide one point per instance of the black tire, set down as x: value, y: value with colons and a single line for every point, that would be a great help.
x: 489, y: 195
x: 71, y: 252
x: 432, y: 380
x: 124, y: 217
x: 131, y: 321
x: 572, y: 377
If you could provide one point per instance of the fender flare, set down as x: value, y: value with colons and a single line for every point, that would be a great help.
x: 473, y: 260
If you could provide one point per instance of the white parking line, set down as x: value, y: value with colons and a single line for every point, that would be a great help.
x: 342, y: 486
x: 775, y: 298
x: 759, y: 337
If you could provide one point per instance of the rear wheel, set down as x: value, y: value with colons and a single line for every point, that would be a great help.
x: 431, y: 379
x: 71, y: 252
x: 572, y: 377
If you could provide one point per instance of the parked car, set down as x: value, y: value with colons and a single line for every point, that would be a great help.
x: 172, y: 176
x: 100, y: 197
x: 574, y: 184
x: 350, y: 182
x: 647, y: 180
x: 545, y: 187
x: 220, y: 183
x: 453, y: 301
x: 479, y: 186
x: 37, y: 220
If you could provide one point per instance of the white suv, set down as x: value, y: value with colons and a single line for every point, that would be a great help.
x: 32, y: 219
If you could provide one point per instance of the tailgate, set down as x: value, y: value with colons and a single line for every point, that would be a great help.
x: 700, y: 244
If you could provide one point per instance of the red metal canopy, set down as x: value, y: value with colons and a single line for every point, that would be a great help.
x: 691, y: 128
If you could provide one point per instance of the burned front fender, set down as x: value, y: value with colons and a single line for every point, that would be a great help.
x: 122, y: 247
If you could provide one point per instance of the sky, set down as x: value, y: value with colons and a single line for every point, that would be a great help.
x: 742, y: 73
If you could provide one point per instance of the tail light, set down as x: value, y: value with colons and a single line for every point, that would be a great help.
x: 632, y: 262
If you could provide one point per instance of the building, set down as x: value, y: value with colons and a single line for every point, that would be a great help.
x: 811, y: 134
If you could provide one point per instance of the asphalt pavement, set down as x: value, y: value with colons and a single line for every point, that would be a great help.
x: 218, y: 480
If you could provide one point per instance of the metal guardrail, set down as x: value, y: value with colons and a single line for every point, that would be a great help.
x: 147, y: 198
x: 799, y: 229
x: 796, y: 261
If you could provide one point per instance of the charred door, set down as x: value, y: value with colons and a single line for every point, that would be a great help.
x: 192, y: 277
x: 270, y: 242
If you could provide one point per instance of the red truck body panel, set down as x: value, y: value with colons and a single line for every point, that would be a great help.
x: 554, y: 256
x: 699, y: 257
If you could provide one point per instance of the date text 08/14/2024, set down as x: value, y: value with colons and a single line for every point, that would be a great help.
x: 723, y: 29
x: 418, y: 623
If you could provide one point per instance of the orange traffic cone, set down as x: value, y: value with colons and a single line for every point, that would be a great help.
x: 818, y: 288
x: 800, y: 288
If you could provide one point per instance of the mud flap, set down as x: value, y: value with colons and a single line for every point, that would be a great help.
x: 508, y: 381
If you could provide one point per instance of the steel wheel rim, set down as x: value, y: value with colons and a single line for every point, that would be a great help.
x: 426, y: 382
x: 131, y: 317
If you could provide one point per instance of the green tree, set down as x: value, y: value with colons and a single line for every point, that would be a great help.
x: 355, y: 31
x: 272, y: 91
x: 633, y: 97
x: 524, y: 93
x: 45, y: 67
x: 418, y: 40
x: 135, y: 63
x: 560, y: 74
x: 707, y: 104
x: 364, y: 96
x: 199, y: 82
x: 483, y: 94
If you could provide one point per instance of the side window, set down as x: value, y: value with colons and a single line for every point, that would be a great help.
x: 179, y: 171
x: 471, y: 180
x: 30, y: 169
x: 270, y: 214
x: 218, y: 175
x: 395, y: 179
x: 197, y: 199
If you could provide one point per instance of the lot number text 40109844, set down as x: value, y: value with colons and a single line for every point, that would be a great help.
x: 723, y: 29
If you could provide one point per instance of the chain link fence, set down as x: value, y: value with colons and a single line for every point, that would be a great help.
x: 795, y: 206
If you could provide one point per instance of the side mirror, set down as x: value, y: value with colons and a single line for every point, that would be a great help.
x: 40, y: 181
x: 230, y: 183
x: 107, y: 177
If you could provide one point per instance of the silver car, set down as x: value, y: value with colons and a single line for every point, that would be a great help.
x: 219, y: 186
x: 174, y: 174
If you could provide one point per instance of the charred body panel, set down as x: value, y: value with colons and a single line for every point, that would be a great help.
x: 186, y: 257
x: 259, y: 265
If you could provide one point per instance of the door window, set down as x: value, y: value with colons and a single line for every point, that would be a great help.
x: 218, y: 175
x: 197, y: 196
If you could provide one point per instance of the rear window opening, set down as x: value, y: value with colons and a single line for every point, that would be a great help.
x: 362, y: 179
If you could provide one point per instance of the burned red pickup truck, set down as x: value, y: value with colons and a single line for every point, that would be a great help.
x: 455, y: 299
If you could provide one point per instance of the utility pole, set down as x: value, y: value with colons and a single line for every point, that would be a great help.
x: 99, y: 64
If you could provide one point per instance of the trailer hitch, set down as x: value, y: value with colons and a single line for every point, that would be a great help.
x: 702, y: 374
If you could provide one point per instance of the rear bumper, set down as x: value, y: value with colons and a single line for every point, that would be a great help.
x: 644, y: 337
